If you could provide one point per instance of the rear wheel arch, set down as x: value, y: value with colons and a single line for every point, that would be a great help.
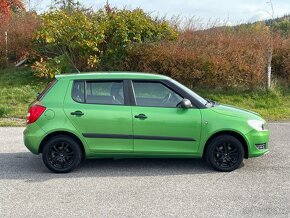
x: 63, y: 133
x: 231, y: 133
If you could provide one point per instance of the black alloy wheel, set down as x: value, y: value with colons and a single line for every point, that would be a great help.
x: 225, y: 153
x: 61, y: 154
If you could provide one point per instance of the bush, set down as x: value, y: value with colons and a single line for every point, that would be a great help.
x: 52, y: 66
x: 124, y: 28
x: 218, y: 57
x: 281, y: 61
x: 88, y: 38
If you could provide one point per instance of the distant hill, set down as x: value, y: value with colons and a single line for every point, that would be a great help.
x: 277, y: 20
x: 280, y: 24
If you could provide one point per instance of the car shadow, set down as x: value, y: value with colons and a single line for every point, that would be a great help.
x: 29, y: 167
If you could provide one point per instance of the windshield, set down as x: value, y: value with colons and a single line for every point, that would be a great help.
x: 192, y: 93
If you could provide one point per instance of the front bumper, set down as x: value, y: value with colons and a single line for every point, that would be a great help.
x: 33, y: 136
x: 256, y: 138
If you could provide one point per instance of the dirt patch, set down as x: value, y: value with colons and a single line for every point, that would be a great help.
x: 12, y: 121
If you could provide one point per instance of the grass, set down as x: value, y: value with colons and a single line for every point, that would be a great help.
x: 273, y: 105
x: 19, y: 87
x: 11, y: 122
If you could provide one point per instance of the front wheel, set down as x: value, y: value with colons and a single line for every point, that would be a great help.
x: 61, y: 154
x: 225, y: 153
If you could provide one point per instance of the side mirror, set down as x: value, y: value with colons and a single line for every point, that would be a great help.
x: 185, y: 103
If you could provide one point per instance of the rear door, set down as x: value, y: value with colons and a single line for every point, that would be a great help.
x: 100, y: 111
x: 160, y: 126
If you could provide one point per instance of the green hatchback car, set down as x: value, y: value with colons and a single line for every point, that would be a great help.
x: 124, y: 115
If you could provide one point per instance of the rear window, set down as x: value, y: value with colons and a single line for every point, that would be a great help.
x: 46, y: 90
x: 98, y: 92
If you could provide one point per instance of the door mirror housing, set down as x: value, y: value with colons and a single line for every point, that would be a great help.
x: 185, y: 103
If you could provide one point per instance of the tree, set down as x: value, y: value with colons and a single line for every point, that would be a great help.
x: 10, y: 7
x: 282, y: 25
x: 66, y: 4
x: 271, y: 48
x: 93, y: 40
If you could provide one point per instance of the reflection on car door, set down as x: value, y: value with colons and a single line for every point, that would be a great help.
x: 160, y: 126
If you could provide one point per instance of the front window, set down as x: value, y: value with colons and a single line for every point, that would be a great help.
x: 155, y: 94
x: 192, y: 93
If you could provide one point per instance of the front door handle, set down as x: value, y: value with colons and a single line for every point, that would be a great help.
x: 141, y: 116
x: 77, y: 113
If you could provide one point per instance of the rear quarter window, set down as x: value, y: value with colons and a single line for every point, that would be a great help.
x: 78, y: 91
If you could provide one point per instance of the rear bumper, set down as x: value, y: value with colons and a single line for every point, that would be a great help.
x: 33, y: 136
x: 255, y: 138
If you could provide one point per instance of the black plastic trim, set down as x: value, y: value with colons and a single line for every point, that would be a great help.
x: 107, y: 136
x: 132, y: 93
x: 127, y: 92
x: 169, y: 138
x: 121, y: 136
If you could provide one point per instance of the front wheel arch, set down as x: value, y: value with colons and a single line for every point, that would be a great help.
x: 231, y: 133
x: 53, y: 134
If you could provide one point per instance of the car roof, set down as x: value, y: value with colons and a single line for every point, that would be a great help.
x: 111, y: 75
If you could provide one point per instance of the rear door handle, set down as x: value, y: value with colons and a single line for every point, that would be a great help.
x: 77, y: 113
x: 141, y: 116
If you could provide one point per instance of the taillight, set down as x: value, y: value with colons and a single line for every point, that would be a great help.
x: 34, y: 113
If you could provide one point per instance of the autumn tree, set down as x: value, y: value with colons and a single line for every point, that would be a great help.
x: 16, y: 31
x: 70, y: 39
x: 8, y: 8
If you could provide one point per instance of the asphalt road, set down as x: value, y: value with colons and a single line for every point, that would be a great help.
x: 144, y: 187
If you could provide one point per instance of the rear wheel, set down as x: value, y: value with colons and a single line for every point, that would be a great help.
x: 61, y: 154
x: 225, y: 153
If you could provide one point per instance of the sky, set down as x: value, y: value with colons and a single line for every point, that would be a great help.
x: 225, y: 11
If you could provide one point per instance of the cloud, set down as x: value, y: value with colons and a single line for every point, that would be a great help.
x: 233, y: 11
x: 261, y: 15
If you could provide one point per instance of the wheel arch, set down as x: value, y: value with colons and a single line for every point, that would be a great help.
x: 66, y: 133
x: 231, y: 133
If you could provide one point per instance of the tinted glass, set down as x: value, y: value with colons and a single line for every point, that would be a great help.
x: 99, y: 92
x: 155, y: 94
x: 78, y: 92
x: 192, y: 93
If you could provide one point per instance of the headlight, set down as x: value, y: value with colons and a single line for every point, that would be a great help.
x: 257, y: 125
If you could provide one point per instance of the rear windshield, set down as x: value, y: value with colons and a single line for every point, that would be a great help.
x: 47, y: 88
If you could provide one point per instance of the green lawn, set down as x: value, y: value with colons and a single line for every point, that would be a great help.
x: 273, y: 105
x: 18, y: 88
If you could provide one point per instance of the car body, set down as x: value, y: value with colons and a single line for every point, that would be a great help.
x: 124, y: 115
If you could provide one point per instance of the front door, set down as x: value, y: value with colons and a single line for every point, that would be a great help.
x: 159, y: 125
x: 99, y: 111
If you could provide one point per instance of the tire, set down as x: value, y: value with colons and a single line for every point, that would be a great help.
x: 61, y: 154
x: 225, y: 153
